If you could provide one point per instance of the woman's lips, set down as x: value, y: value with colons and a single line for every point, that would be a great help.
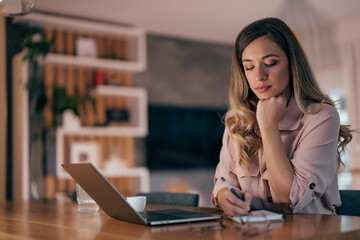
x: 262, y: 89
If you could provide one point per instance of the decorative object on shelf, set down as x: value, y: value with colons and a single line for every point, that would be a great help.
x: 99, y: 78
x: 114, y: 162
x: 86, y: 47
x: 83, y: 152
x: 70, y: 120
x: 13, y: 8
x: 117, y: 116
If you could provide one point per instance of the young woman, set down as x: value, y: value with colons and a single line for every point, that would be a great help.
x: 283, y: 139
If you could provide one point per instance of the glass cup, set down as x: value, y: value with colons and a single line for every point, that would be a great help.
x: 85, y: 203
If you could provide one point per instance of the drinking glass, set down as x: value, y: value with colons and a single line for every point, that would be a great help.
x: 85, y: 203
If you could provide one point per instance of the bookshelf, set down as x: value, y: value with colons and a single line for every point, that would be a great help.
x: 121, y: 50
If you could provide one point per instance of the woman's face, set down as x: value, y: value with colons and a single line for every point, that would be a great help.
x: 266, y: 68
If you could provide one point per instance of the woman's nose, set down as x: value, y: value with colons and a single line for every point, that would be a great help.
x: 261, y: 74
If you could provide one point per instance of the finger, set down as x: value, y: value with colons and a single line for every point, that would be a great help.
x: 243, y: 206
x: 231, y: 209
x: 233, y: 206
x: 246, y: 198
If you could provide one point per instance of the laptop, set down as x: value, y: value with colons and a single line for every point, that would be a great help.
x: 115, y: 205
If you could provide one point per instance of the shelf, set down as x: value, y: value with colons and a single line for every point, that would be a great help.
x: 121, y: 91
x: 136, y: 38
x: 137, y: 127
x: 136, y: 172
x: 96, y: 63
x: 105, y: 131
x: 138, y: 110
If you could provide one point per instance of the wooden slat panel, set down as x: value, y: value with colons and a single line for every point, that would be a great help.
x: 61, y: 185
x: 60, y: 78
x: 81, y: 90
x: 49, y: 34
x: 71, y: 186
x: 59, y: 41
x: 129, y: 151
x: 49, y: 187
x: 109, y: 46
x: 90, y: 113
x: 70, y: 48
x: 49, y: 81
x: 70, y: 83
x: 100, y: 46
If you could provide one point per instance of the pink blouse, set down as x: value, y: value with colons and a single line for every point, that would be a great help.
x: 310, y: 142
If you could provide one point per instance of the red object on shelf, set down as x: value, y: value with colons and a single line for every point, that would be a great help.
x: 99, y: 78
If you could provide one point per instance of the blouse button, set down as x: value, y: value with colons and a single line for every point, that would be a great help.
x: 270, y: 200
x: 312, y: 186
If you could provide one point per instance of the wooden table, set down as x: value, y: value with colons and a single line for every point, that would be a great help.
x: 61, y: 220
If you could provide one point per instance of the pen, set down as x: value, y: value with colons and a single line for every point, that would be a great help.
x: 231, y: 189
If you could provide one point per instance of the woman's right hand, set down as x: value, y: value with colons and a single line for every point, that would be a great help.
x: 233, y: 206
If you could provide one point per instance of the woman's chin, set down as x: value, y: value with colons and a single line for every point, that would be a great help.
x: 265, y: 96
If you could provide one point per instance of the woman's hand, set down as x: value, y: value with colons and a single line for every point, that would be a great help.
x: 231, y: 205
x: 270, y: 111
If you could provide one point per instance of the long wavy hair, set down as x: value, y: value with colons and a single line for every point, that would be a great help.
x: 241, y: 117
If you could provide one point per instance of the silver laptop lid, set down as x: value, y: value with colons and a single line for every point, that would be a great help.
x: 103, y: 192
x: 115, y: 205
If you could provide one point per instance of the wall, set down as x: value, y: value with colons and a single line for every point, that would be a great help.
x: 186, y: 73
x: 342, y: 78
x: 349, y: 38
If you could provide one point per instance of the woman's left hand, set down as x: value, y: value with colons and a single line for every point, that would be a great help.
x: 270, y: 111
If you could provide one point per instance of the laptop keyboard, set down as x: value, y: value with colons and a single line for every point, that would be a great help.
x: 155, y: 216
x: 170, y: 214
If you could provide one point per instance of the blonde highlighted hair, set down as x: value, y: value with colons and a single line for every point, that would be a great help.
x: 241, y: 119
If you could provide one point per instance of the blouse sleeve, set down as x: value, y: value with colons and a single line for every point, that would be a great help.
x: 315, y: 159
x: 224, y: 169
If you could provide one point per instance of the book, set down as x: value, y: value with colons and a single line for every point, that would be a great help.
x: 259, y: 216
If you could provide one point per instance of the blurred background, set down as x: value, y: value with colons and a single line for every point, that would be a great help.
x: 151, y: 98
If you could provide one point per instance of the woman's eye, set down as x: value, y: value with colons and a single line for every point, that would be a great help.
x: 273, y: 63
x: 249, y: 68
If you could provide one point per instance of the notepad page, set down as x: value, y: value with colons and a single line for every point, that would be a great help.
x: 259, y: 216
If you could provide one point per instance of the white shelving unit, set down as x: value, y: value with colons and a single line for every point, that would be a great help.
x: 136, y: 36
x: 137, y: 126
x: 95, y: 63
x: 20, y: 130
x: 138, y: 121
x: 141, y: 173
x: 138, y: 109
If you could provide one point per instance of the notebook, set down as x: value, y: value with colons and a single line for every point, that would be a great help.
x: 259, y: 216
x: 115, y: 205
